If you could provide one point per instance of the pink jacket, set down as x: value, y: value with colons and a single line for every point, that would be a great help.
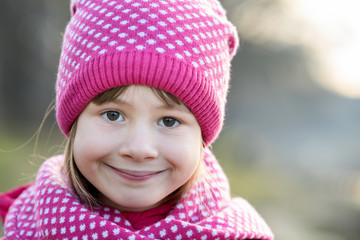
x: 49, y: 209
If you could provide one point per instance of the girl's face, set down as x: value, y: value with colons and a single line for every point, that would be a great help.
x: 136, y: 150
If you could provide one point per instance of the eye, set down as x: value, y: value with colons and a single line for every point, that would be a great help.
x: 168, y: 122
x: 113, y: 116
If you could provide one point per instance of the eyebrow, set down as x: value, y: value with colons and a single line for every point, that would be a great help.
x: 164, y: 105
x: 118, y: 101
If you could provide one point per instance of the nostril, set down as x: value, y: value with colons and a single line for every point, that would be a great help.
x: 138, y: 151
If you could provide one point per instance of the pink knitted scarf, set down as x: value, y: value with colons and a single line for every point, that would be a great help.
x: 49, y: 209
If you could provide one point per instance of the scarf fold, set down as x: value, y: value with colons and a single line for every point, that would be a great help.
x: 49, y: 209
x: 7, y: 199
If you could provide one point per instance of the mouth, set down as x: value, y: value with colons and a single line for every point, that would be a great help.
x: 135, y: 175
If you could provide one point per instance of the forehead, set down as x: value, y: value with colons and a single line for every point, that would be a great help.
x: 131, y: 90
x: 151, y: 97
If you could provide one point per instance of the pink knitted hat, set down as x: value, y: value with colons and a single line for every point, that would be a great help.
x: 181, y: 46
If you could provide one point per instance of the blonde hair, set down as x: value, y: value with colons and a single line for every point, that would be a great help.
x: 86, y: 192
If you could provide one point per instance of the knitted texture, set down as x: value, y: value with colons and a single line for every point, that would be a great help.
x: 50, y: 210
x: 181, y: 46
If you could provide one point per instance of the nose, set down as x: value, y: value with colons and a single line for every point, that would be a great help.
x: 138, y: 143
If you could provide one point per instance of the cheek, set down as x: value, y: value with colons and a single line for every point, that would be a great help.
x: 194, y: 148
x: 89, y: 145
x: 185, y: 156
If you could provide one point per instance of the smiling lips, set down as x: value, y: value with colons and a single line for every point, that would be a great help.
x: 135, y: 175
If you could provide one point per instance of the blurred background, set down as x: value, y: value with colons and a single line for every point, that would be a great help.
x: 290, y: 143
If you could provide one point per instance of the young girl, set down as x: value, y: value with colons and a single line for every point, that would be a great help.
x: 141, y: 92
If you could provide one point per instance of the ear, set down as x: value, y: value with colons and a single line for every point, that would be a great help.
x: 73, y: 7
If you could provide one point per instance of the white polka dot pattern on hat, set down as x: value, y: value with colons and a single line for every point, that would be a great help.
x: 48, y: 209
x: 128, y: 30
x: 195, y: 33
